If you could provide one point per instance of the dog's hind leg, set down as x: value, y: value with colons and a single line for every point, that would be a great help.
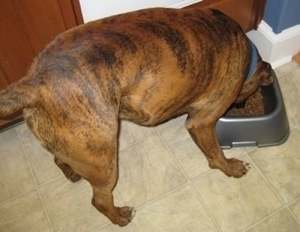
x: 103, y: 201
x: 67, y: 170
x: 103, y: 181
x: 202, y: 130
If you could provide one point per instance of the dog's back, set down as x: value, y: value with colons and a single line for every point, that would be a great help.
x: 136, y: 61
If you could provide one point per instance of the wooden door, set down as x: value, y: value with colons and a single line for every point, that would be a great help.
x: 26, y: 26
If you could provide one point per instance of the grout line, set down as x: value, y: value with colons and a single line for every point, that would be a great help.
x: 206, y: 208
x: 292, y: 68
x: 289, y: 209
x: 160, y: 197
x: 269, y: 184
x: 264, y: 218
x: 170, y: 192
x: 101, y: 227
x: 37, y: 189
x: 293, y: 215
x: 173, y: 191
x: 55, y: 179
x: 179, y: 118
x: 9, y: 140
x: 134, y: 226
x: 17, y: 196
x: 137, y: 141
x: 174, y: 157
x: 189, y: 180
x: 284, y: 207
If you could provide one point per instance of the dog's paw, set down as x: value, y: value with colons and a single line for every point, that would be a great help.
x: 127, y: 212
x: 126, y: 215
x: 236, y: 168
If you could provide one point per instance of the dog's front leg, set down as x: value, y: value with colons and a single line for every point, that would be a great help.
x: 204, y: 135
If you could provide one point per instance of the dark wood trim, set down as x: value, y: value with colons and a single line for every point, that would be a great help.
x: 248, y: 13
x: 71, y: 12
x: 202, y: 4
x: 77, y: 11
x: 259, y: 7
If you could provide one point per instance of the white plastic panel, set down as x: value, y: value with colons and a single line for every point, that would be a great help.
x: 95, y: 9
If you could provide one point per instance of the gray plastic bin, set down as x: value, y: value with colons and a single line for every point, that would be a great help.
x: 266, y: 130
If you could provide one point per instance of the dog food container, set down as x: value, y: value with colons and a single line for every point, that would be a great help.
x: 270, y: 129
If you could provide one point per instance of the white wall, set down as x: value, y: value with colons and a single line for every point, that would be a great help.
x: 277, y: 49
x: 95, y: 9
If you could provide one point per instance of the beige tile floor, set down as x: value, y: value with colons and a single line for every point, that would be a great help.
x: 162, y: 174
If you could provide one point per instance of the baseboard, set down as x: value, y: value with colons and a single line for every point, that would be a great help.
x: 276, y: 49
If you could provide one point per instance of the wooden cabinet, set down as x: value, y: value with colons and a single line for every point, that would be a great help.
x: 26, y: 26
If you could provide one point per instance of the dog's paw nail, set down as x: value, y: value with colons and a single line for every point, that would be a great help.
x: 128, y: 213
x: 132, y: 214
x: 247, y: 165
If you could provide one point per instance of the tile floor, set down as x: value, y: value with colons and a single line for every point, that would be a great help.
x: 162, y: 174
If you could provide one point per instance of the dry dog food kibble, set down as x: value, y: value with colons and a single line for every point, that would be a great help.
x: 254, y: 106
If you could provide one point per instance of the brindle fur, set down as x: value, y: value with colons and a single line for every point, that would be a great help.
x: 146, y: 66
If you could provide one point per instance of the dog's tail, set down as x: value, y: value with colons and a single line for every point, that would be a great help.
x: 16, y: 97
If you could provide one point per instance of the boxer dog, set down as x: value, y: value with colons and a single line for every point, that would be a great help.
x: 146, y: 66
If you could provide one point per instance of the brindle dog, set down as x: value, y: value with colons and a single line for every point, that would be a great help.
x: 146, y: 66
